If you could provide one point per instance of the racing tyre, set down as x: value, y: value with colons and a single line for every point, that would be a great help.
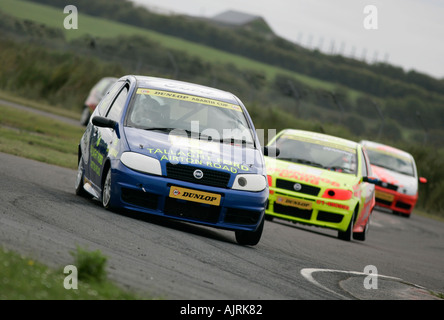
x: 405, y: 215
x: 79, y: 179
x: 347, y: 234
x: 106, y: 191
x: 250, y: 238
x: 361, y: 236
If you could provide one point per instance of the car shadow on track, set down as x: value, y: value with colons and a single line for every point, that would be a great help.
x: 305, y: 227
x: 325, y: 232
x: 171, y: 223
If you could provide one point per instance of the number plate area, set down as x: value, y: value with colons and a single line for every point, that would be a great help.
x: 292, y: 202
x: 195, y: 195
x: 384, y: 196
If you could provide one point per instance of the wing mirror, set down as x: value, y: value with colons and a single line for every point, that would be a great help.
x: 104, y: 122
x: 371, y: 180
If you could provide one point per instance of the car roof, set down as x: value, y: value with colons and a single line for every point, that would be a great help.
x: 386, y: 148
x: 321, y: 136
x: 186, y: 88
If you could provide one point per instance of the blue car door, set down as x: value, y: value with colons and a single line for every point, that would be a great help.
x: 105, y: 139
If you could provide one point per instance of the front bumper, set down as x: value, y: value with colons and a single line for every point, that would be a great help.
x: 394, y: 200
x: 324, y: 213
x: 238, y: 210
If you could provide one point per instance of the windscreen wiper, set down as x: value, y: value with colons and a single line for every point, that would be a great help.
x: 164, y: 129
x: 303, y: 161
x: 234, y: 140
x: 336, y: 168
x: 383, y: 166
x: 191, y: 134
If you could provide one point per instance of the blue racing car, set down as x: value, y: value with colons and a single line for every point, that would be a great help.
x: 178, y: 150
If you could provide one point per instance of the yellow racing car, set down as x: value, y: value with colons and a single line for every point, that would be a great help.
x: 321, y: 180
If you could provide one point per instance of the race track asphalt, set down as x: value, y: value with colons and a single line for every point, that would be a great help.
x: 41, y: 216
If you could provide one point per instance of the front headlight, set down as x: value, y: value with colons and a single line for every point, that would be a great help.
x: 337, y: 194
x: 141, y: 163
x: 249, y: 182
x: 409, y: 190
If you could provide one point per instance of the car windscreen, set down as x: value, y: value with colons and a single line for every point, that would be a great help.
x: 202, y: 118
x: 391, y: 161
x: 317, y: 153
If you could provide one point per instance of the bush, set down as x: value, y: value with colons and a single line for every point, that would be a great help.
x: 91, y: 265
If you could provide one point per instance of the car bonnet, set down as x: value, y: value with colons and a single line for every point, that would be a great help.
x: 323, y: 178
x: 395, y: 178
x: 183, y: 150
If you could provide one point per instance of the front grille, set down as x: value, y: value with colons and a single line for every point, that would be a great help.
x: 210, y: 177
x: 239, y: 216
x: 387, y: 185
x: 403, y: 205
x: 387, y: 203
x: 289, y: 185
x: 292, y: 211
x: 329, y: 217
x: 140, y: 198
x: 191, y: 210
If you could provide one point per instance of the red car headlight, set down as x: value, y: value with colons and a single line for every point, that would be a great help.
x: 337, y: 194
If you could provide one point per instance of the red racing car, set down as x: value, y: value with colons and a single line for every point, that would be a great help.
x: 95, y: 95
x: 397, y: 189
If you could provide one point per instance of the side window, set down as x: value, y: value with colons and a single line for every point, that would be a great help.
x: 117, y: 107
x: 106, y: 100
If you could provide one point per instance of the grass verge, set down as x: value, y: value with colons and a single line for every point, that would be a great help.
x: 44, y: 139
x: 39, y: 106
x: 37, y: 137
x: 22, y: 278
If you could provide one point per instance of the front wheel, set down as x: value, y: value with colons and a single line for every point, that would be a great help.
x: 347, y: 234
x: 79, y: 179
x: 361, y: 236
x: 106, y: 191
x: 405, y: 215
x: 250, y: 238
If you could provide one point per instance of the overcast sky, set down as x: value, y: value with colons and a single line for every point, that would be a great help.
x: 409, y: 34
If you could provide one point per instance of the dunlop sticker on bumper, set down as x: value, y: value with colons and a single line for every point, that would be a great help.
x: 195, y: 196
x: 384, y: 196
x: 301, y: 204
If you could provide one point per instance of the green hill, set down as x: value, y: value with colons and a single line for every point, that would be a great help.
x: 282, y: 85
x: 97, y: 27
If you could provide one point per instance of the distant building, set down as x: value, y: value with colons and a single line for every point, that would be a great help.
x: 236, y: 19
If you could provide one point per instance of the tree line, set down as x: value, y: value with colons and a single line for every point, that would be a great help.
x: 379, y: 79
x: 66, y: 71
